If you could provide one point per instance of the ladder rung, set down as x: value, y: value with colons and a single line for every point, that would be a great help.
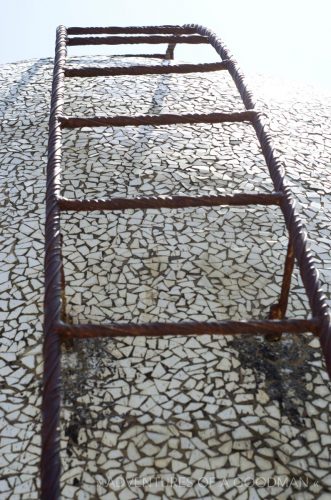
x: 152, y: 56
x: 164, y: 119
x: 152, y: 39
x: 127, y: 30
x: 144, y: 70
x: 189, y: 328
x: 171, y: 202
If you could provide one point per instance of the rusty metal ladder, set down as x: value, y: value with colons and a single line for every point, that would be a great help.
x: 55, y: 327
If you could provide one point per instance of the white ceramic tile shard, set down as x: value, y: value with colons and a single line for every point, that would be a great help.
x: 172, y: 417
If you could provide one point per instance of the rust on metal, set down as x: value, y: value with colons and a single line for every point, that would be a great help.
x: 144, y: 70
x: 259, y: 327
x: 55, y: 326
x: 278, y: 310
x: 132, y: 30
x: 124, y: 40
x: 53, y: 309
x: 169, y: 55
x: 142, y: 203
x: 154, y: 120
x: 152, y: 56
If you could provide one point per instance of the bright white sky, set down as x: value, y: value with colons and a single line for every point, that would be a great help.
x: 284, y: 38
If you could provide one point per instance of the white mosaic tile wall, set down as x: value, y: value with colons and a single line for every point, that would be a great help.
x: 178, y: 417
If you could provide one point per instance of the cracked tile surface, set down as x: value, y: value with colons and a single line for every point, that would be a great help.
x: 173, y: 417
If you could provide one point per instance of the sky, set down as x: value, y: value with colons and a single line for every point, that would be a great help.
x: 289, y: 39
